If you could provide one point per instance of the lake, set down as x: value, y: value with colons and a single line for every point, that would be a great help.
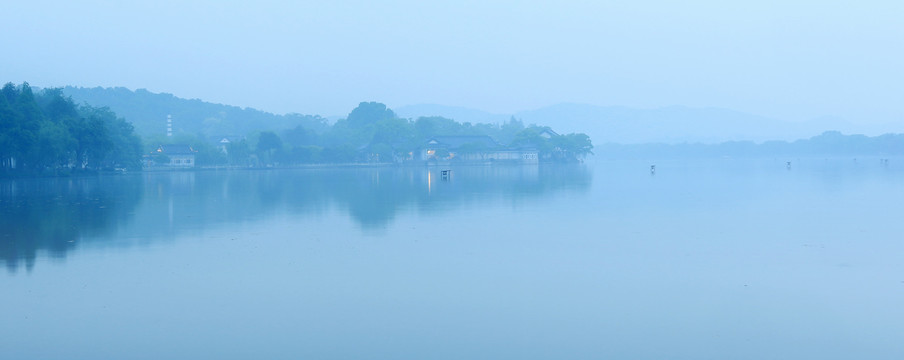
x: 703, y: 259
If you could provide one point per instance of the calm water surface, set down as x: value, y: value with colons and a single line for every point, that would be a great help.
x: 720, y: 259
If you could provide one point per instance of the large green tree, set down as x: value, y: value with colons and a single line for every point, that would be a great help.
x: 369, y: 113
x: 267, y: 144
x: 47, y: 132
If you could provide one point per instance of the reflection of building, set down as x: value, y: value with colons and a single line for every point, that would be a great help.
x: 474, y: 149
x: 179, y: 155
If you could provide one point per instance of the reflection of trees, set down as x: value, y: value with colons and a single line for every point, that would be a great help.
x: 54, y: 214
x: 371, y: 196
x: 374, y: 203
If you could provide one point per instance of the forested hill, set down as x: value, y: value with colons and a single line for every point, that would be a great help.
x: 147, y: 111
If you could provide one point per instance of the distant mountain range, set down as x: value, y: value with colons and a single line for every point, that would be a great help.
x: 674, y: 124
x: 147, y: 111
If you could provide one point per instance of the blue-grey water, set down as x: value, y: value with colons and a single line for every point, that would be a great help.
x: 715, y: 259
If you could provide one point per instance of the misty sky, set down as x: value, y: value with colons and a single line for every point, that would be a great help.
x: 791, y: 61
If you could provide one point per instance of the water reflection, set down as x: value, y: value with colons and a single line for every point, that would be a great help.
x: 53, y: 214
x: 56, y: 215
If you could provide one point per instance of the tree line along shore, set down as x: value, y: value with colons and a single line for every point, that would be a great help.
x: 44, y: 132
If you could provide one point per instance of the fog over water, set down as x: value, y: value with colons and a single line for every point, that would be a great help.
x: 464, y: 180
x: 703, y: 259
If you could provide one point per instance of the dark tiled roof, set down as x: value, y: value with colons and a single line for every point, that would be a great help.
x: 176, y: 149
x: 454, y: 142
